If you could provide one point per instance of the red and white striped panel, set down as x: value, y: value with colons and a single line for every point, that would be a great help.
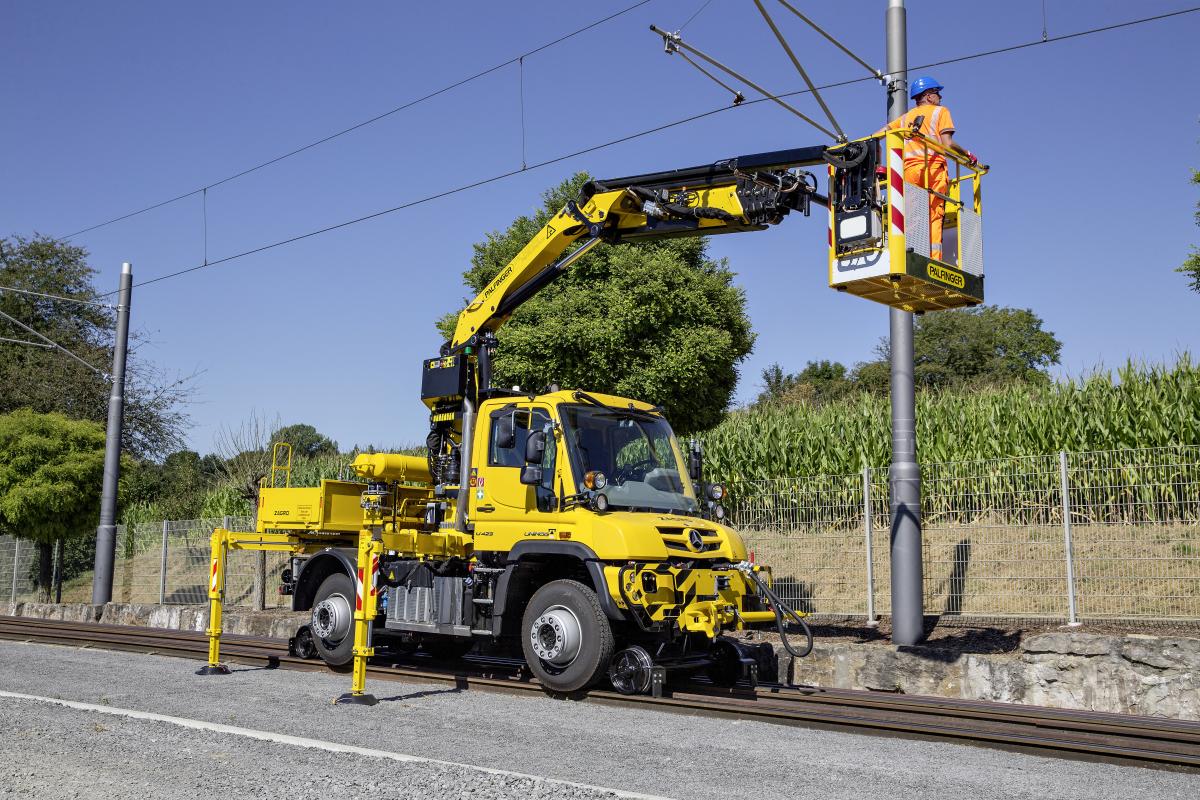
x: 896, y: 179
x: 366, y: 583
x: 212, y: 582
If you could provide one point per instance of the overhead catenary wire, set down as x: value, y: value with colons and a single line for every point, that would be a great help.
x: 24, y: 341
x: 363, y: 124
x: 874, y: 72
x: 51, y: 343
x: 675, y: 44
x: 56, y: 297
x: 643, y: 133
x: 841, y: 135
x: 699, y: 11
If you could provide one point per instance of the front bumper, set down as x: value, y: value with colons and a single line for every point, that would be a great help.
x: 705, y: 600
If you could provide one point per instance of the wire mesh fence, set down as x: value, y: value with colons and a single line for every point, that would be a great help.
x: 18, y: 565
x: 1100, y: 535
x: 155, y: 562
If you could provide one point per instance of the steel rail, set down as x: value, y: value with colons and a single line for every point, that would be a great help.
x: 1147, y: 741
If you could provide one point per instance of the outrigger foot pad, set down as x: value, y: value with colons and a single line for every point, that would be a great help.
x: 213, y: 669
x: 352, y: 699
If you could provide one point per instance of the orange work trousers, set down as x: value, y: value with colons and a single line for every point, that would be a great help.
x: 931, y: 174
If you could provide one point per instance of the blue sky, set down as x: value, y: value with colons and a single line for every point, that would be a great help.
x: 113, y: 106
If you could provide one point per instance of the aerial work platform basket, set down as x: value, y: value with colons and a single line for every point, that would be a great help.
x: 881, y: 243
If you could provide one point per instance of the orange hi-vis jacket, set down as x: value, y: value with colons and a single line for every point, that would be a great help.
x: 925, y: 167
x: 937, y: 120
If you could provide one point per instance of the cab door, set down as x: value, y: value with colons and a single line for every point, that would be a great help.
x: 507, y: 510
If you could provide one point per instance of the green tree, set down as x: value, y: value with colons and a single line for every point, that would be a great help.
x: 50, y: 473
x: 819, y: 382
x: 46, y: 380
x: 1191, y: 265
x: 985, y: 345
x: 306, y: 441
x: 658, y: 321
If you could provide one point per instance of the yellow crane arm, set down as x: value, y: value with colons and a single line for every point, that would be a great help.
x: 738, y: 194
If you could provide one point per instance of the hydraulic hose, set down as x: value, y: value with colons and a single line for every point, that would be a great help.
x: 782, y: 611
x: 847, y: 156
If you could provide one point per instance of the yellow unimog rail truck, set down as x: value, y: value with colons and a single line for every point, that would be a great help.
x: 567, y: 525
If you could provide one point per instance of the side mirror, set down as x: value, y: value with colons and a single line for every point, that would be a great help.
x: 535, y: 449
x: 506, y: 435
x: 695, y: 461
x: 531, y: 475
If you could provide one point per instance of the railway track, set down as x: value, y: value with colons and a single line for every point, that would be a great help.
x: 1148, y: 741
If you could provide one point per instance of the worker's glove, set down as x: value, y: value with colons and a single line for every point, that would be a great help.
x: 972, y: 159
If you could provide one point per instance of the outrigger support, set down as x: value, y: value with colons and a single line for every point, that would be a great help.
x: 370, y: 547
x: 222, y: 542
x: 216, y: 593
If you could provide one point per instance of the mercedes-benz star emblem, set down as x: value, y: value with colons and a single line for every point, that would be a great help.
x: 695, y: 540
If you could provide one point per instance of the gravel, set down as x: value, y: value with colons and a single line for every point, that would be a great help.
x: 58, y: 751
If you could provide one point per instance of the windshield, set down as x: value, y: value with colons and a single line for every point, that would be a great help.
x: 636, y: 451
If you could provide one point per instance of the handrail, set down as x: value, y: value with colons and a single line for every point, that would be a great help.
x: 905, y: 133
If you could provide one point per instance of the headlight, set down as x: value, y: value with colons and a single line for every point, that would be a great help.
x: 718, y: 512
x: 595, y: 480
x: 716, y: 491
x: 599, y: 502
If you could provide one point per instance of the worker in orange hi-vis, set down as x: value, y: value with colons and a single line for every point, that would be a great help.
x: 924, y: 166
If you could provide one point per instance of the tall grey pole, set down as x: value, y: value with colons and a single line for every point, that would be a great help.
x: 106, y: 540
x: 905, y: 476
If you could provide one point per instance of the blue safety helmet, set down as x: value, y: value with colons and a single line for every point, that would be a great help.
x: 923, y: 84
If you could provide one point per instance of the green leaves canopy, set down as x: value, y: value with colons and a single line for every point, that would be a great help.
x: 50, y: 474
x: 656, y: 321
x: 46, y: 380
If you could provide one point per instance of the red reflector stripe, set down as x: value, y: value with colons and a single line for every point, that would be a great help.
x: 897, y: 181
x: 897, y: 219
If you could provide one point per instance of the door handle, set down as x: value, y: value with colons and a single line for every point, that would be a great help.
x: 485, y: 509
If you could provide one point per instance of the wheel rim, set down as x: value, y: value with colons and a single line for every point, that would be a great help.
x: 331, y: 618
x: 556, y: 636
x: 630, y: 670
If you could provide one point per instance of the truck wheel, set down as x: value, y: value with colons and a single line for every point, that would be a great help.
x: 333, y: 619
x: 566, y: 637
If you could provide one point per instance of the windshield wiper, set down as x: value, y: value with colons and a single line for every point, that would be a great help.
x: 653, y: 413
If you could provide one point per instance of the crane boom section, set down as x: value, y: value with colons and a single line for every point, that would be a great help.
x: 747, y: 193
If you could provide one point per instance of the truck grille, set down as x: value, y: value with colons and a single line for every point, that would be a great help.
x: 684, y: 541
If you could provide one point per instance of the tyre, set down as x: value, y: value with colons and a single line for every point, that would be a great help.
x: 566, y: 637
x: 333, y: 619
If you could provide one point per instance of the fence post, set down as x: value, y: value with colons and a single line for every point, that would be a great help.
x: 16, y: 563
x: 162, y: 567
x: 872, y: 621
x: 259, y: 600
x: 56, y: 581
x: 1065, y: 489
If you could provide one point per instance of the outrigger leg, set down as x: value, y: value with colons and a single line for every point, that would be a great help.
x: 365, y: 607
x: 216, y: 592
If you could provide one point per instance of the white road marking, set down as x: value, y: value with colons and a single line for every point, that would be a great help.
x: 300, y: 741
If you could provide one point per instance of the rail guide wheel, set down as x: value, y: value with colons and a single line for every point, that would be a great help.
x: 631, y: 670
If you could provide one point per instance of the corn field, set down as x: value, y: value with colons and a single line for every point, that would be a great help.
x: 1140, y: 407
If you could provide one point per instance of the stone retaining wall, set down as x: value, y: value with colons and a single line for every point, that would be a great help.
x: 1135, y: 674
x: 274, y: 624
